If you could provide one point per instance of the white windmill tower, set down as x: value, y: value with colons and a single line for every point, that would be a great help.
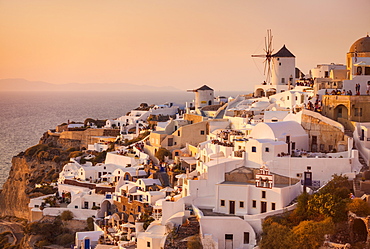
x: 279, y: 68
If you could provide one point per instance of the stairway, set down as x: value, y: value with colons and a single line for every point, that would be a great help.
x: 179, y: 237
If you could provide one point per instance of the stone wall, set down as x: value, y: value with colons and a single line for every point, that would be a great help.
x: 84, y: 138
x: 193, y: 118
x: 328, y: 136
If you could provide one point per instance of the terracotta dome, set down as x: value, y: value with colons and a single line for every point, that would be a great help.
x: 361, y: 45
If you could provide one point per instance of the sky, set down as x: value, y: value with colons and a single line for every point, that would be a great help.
x: 180, y: 43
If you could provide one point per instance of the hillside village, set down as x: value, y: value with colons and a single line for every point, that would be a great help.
x: 207, y: 173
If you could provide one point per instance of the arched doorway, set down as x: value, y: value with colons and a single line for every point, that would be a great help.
x: 359, y: 231
x: 105, y: 209
x: 260, y: 92
x: 340, y: 112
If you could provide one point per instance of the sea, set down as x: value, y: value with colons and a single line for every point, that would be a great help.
x: 25, y: 116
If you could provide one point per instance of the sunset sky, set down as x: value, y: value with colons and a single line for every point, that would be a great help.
x: 182, y: 43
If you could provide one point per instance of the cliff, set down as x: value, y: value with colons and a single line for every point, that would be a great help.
x: 39, y: 164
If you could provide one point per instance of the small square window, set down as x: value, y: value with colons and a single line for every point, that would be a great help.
x: 222, y: 203
x: 241, y: 204
x: 201, y: 132
x: 254, y: 203
x: 263, y: 194
x: 273, y: 206
x: 267, y: 149
x: 254, y: 149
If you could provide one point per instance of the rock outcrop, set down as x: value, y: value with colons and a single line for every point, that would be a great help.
x: 37, y: 165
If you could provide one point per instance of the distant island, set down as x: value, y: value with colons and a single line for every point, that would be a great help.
x: 7, y: 85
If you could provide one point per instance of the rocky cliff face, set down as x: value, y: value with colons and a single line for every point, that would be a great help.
x: 37, y: 165
x: 20, y: 184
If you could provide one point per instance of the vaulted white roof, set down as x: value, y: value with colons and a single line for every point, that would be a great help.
x: 277, y: 130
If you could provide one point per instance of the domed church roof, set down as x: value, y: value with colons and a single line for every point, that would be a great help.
x: 361, y: 45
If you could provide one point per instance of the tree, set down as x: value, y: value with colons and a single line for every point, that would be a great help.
x: 359, y: 207
x: 161, y: 153
x: 300, y: 213
x: 275, y: 236
x: 311, y: 234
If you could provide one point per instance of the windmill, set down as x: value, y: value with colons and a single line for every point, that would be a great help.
x: 268, y: 56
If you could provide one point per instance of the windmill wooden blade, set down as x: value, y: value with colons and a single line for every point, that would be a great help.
x: 259, y: 55
x: 268, y: 56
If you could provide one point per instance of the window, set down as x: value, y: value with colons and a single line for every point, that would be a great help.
x: 322, y: 147
x: 246, y: 238
x: 254, y: 149
x: 254, y: 203
x: 241, y: 204
x: 148, y: 244
x: 359, y: 71
x: 293, y: 145
x: 263, y: 194
x: 287, y: 97
x: 367, y: 70
x: 170, y: 141
x: 201, y: 132
x: 267, y: 149
x: 340, y: 112
x: 222, y: 203
x: 279, y: 63
x: 138, y: 208
x: 283, y: 80
x: 228, y: 236
x: 178, y: 133
x: 358, y: 112
x: 273, y: 206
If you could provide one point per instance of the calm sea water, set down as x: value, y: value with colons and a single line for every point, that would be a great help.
x: 25, y: 116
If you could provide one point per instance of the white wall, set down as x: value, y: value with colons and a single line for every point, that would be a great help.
x: 114, y: 158
x: 285, y: 70
x: 79, y: 214
x: 322, y: 168
x: 218, y: 226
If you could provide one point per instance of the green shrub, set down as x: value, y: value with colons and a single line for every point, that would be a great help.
x: 65, y: 239
x: 71, y: 149
x: 90, y: 224
x: 162, y: 153
x: 57, y: 159
x: 75, y: 154
x: 66, y: 215
x: 34, y: 150
x: 42, y: 243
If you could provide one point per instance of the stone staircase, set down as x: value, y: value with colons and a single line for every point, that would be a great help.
x: 181, y: 235
x: 356, y: 185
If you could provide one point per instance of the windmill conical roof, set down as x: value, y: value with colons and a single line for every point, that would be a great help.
x: 204, y: 87
x: 283, y: 52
